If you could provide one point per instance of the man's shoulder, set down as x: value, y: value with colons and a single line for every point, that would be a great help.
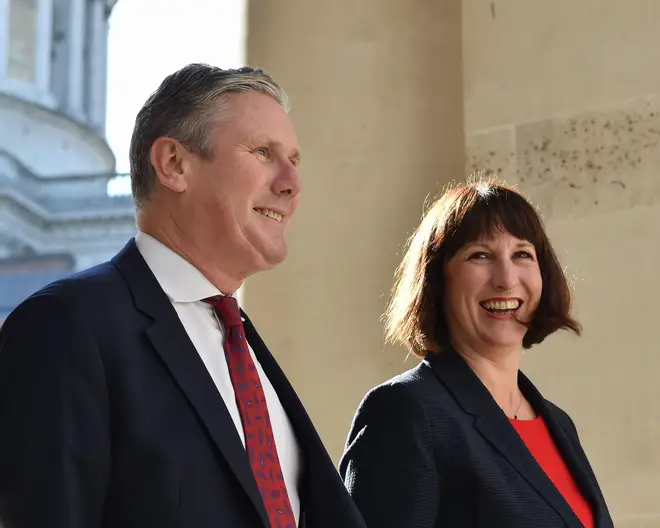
x: 83, y: 290
x: 100, y: 279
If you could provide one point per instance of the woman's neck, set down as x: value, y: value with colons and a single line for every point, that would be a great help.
x: 499, y: 373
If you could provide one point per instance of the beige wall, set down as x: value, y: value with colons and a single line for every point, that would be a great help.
x: 526, y: 60
x: 379, y: 130
x: 391, y: 100
x: 563, y: 98
x: 607, y: 379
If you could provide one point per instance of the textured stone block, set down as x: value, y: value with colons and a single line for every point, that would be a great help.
x: 589, y: 163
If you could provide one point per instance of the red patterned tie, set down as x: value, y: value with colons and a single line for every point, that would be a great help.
x: 251, y: 401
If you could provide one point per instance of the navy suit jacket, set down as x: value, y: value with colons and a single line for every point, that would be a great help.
x: 431, y: 449
x: 109, y: 418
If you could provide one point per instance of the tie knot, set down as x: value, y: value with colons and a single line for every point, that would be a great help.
x: 227, y: 308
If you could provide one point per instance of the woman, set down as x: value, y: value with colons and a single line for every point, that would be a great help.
x: 465, y: 439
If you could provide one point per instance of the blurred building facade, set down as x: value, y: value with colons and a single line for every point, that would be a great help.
x: 55, y: 213
x: 391, y: 101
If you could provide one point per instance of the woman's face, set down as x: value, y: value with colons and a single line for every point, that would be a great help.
x: 489, y: 284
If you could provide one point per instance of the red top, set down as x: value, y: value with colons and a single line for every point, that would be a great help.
x: 536, y: 436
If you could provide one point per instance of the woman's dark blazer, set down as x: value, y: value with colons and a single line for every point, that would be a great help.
x: 432, y: 449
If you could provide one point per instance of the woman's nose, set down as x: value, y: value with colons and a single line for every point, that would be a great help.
x: 505, y: 276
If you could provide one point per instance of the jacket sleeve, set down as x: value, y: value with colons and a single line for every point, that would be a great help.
x: 388, y: 466
x: 54, y: 418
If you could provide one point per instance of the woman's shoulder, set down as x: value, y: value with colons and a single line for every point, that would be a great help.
x: 415, y: 389
x: 399, y: 404
x: 411, y: 381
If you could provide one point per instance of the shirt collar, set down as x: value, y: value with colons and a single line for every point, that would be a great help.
x: 180, y: 280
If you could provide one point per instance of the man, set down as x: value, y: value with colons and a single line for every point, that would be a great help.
x: 129, y: 396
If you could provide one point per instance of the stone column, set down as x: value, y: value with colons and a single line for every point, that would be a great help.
x: 376, y: 90
x: 44, y: 46
x: 97, y: 65
x: 4, y: 37
x: 76, y: 44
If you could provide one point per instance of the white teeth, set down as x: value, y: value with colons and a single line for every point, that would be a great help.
x: 270, y: 214
x: 511, y: 304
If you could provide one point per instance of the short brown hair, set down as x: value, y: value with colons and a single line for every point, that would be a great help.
x: 465, y: 213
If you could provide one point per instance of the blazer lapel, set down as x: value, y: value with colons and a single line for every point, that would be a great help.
x: 494, y: 426
x: 172, y: 343
x: 568, y: 445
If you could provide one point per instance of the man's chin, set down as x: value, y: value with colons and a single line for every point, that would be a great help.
x: 272, y: 257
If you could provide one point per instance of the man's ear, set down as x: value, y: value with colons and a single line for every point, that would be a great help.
x: 170, y: 161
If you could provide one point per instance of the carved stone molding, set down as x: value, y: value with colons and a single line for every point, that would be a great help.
x: 73, y: 235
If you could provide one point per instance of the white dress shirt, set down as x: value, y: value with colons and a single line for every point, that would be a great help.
x: 185, y: 286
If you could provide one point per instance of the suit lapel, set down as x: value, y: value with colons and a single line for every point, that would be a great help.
x: 304, y: 430
x: 323, y: 497
x: 285, y: 392
x: 173, y: 345
x: 494, y: 426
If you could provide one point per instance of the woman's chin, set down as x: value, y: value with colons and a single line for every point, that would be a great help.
x: 504, y: 340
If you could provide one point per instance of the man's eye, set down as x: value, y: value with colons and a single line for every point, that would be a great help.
x: 261, y: 152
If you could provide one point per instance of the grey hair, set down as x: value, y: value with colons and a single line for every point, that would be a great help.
x: 185, y: 107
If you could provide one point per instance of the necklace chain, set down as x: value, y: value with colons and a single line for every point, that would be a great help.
x: 515, y: 415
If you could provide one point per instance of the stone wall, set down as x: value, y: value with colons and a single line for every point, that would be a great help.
x: 366, y: 107
x: 563, y: 100
x: 584, y: 164
x: 392, y: 100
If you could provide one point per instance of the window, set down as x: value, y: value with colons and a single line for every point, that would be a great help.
x: 22, y: 64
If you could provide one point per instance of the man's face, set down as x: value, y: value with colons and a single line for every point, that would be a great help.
x: 242, y: 200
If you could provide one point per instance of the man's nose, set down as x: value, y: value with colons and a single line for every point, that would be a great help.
x: 288, y: 181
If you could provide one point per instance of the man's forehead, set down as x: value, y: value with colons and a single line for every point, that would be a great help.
x: 254, y: 104
x: 257, y: 119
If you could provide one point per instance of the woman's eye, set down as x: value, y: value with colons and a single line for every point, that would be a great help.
x: 524, y: 254
x: 478, y: 255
